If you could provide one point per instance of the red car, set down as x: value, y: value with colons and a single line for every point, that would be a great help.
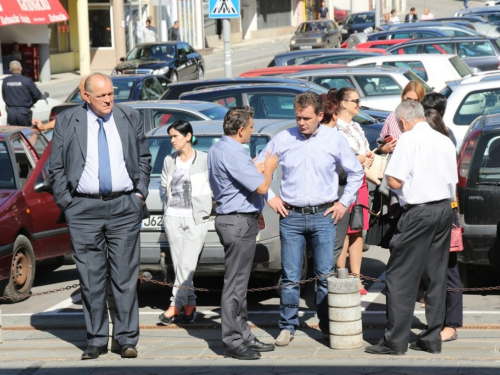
x: 29, y: 218
x: 340, y: 15
x: 381, y: 43
x: 278, y: 70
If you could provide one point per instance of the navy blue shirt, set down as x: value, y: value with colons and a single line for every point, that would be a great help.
x: 234, y: 178
x: 19, y: 91
x: 323, y: 12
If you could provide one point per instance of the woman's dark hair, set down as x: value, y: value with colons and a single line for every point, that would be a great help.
x: 330, y: 105
x: 185, y: 128
x: 344, y: 93
x: 436, y: 122
x: 435, y: 100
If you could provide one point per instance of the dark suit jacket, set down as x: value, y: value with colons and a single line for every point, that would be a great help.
x: 414, y: 19
x: 69, y: 150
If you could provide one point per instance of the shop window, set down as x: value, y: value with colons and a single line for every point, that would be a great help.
x: 59, y: 41
x: 273, y: 13
x: 100, y: 25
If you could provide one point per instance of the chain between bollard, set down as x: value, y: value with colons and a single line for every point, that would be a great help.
x: 262, y: 289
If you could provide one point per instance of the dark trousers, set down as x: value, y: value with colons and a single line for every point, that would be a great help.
x: 341, y: 232
x: 238, y: 236
x: 20, y: 116
x: 454, y: 301
x: 106, y: 234
x: 419, y: 249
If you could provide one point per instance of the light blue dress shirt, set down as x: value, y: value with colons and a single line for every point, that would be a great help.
x: 309, y: 167
x: 234, y: 178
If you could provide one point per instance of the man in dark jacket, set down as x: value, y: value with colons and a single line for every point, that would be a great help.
x: 19, y: 94
x: 173, y: 33
x: 412, y: 16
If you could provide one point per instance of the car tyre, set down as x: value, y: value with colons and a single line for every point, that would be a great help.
x: 201, y: 73
x: 22, y: 273
x: 174, y: 77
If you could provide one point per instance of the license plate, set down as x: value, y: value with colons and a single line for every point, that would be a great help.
x: 154, y: 222
x: 305, y: 47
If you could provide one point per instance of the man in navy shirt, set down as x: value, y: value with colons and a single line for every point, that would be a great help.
x: 323, y: 12
x: 238, y: 189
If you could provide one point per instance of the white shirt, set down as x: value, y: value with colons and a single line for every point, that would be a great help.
x: 426, y: 162
x: 394, y: 20
x: 429, y: 16
x: 149, y: 35
x: 120, y: 179
x: 180, y: 203
x: 355, y: 136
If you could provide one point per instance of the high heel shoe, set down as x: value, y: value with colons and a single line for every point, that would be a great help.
x: 168, y: 316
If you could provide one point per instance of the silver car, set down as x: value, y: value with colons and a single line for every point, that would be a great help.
x: 155, y: 254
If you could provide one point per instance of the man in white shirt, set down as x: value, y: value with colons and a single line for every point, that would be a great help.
x: 427, y: 15
x: 423, y: 173
x: 394, y: 19
x: 149, y: 33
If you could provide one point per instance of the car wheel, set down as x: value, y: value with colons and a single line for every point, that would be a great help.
x: 201, y: 73
x: 303, y: 274
x: 174, y: 77
x: 22, y: 272
x: 66, y: 260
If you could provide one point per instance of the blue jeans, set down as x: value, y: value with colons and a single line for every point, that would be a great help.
x: 466, y: 3
x: 319, y: 232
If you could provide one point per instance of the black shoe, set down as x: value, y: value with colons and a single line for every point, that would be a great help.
x: 380, y: 348
x: 241, y: 352
x: 129, y: 351
x: 93, y: 352
x: 423, y: 348
x: 190, y: 317
x: 165, y: 320
x: 259, y: 346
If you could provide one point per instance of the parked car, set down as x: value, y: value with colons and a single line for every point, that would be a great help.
x: 275, y: 101
x: 378, y: 88
x: 456, y: 22
x: 175, y: 90
x: 166, y: 112
x: 340, y: 15
x: 297, y: 57
x: 28, y: 216
x: 280, y: 70
x: 342, y: 58
x: 478, y: 192
x: 41, y: 109
x: 422, y: 32
x: 385, y: 44
x: 435, y: 70
x: 358, y: 22
x: 316, y: 34
x: 482, y: 53
x: 474, y: 11
x: 177, y: 61
x: 126, y: 88
x: 155, y: 254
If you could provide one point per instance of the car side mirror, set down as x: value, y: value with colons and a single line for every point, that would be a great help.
x: 122, y: 59
x: 43, y: 187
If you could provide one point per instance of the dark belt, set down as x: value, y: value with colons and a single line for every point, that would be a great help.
x: 104, y: 197
x: 409, y: 206
x: 253, y: 215
x: 311, y: 209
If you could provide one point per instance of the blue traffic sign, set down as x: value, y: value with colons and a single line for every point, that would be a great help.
x: 224, y: 9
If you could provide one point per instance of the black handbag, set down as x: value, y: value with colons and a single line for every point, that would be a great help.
x: 356, y: 221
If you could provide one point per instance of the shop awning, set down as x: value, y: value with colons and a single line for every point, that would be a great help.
x: 33, y: 12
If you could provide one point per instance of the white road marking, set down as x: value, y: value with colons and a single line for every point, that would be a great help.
x: 66, y: 303
x: 373, y: 293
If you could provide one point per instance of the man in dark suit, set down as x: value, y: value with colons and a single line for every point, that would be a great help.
x: 99, y: 170
x: 412, y: 16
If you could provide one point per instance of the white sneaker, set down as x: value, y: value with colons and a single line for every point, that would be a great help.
x: 284, y: 338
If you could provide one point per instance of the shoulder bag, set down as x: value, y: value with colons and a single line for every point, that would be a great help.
x: 375, y: 173
x: 356, y: 220
x: 457, y: 243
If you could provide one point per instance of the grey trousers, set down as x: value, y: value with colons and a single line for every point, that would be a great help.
x: 106, y: 234
x: 419, y: 249
x: 238, y: 236
x: 185, y: 239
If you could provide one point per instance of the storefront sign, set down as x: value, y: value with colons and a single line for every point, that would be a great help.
x: 31, y: 12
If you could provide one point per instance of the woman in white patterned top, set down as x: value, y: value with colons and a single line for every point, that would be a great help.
x: 349, y: 107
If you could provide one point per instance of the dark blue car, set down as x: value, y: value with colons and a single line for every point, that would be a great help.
x: 357, y: 23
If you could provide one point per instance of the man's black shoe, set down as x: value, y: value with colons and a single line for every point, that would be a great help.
x: 129, y: 351
x: 421, y: 347
x: 93, y: 352
x: 259, y: 346
x: 380, y: 348
x: 241, y: 352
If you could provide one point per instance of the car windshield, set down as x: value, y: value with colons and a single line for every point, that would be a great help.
x: 312, y: 26
x: 122, y: 87
x: 161, y: 52
x: 6, y: 173
x: 215, y: 113
x: 361, y: 18
x: 477, y: 103
x: 160, y: 147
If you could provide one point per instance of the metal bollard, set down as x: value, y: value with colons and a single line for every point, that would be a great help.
x: 344, y: 311
x: 1, y: 337
x: 111, y: 316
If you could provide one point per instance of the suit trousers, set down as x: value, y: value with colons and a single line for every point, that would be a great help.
x: 105, y: 235
x: 419, y: 249
x: 238, y: 236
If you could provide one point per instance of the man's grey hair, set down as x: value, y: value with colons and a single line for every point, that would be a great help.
x: 90, y: 78
x: 15, y: 66
x: 410, y: 110
x: 236, y: 117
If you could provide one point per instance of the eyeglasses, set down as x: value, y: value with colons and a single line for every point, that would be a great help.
x: 353, y: 100
x: 410, y: 99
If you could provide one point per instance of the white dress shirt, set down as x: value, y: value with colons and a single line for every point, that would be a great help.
x: 120, y: 179
x: 426, y: 162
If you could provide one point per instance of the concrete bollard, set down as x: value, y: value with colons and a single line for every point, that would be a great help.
x: 112, y: 344
x: 344, y: 311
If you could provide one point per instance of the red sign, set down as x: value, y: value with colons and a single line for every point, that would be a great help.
x: 33, y: 12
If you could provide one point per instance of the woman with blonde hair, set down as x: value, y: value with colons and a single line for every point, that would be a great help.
x: 348, y: 100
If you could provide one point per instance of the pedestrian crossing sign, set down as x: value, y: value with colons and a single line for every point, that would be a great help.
x: 224, y: 9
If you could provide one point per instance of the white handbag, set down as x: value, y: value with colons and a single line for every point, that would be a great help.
x: 375, y: 173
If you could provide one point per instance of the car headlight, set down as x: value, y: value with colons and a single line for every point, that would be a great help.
x: 163, y: 70
x: 293, y: 41
x: 319, y: 40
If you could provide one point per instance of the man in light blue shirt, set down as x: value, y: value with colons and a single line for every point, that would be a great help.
x: 238, y: 190
x: 308, y: 203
